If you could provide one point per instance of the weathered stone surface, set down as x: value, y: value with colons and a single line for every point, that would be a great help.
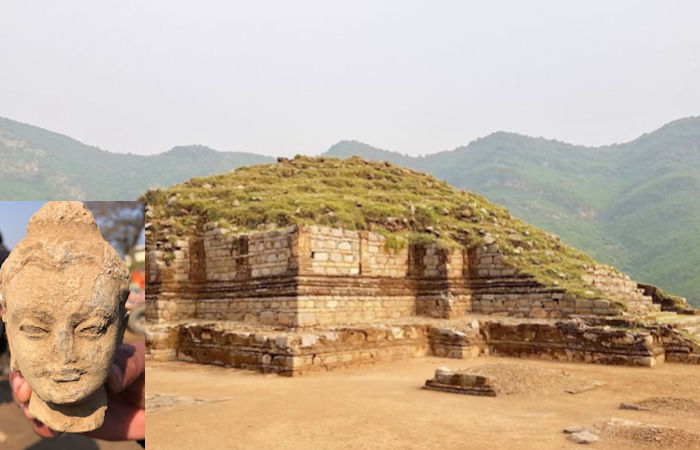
x: 574, y: 429
x: 632, y: 407
x: 460, y: 382
x: 63, y: 290
x: 319, y: 278
x: 583, y: 437
x: 87, y: 415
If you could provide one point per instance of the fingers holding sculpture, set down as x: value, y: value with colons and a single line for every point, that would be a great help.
x: 127, y: 373
x: 21, y: 393
x: 126, y: 384
x: 122, y: 421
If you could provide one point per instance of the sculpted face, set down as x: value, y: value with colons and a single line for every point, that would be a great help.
x: 63, y: 290
x: 65, y: 330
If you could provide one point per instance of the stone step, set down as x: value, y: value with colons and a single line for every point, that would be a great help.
x: 644, y: 305
x: 639, y: 299
x: 694, y: 330
x: 689, y: 324
x: 643, y: 308
x: 687, y: 321
x: 646, y: 299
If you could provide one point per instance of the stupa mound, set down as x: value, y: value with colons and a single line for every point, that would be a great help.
x: 317, y: 263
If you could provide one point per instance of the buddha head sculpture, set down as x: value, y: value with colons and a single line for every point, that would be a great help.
x: 63, y: 290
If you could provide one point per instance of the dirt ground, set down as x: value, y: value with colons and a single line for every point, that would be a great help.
x: 385, y: 407
x: 16, y: 434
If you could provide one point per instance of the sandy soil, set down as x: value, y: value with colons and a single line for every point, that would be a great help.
x: 199, y: 406
x: 15, y: 432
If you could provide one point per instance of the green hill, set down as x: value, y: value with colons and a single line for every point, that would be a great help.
x: 635, y: 205
x: 36, y: 164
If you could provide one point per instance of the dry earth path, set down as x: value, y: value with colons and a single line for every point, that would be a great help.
x: 384, y: 407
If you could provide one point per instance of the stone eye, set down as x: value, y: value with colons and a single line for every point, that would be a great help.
x: 91, y: 330
x: 32, y: 331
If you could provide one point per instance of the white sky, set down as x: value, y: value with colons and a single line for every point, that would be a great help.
x: 289, y: 77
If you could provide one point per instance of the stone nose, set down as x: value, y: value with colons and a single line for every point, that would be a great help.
x: 64, y: 346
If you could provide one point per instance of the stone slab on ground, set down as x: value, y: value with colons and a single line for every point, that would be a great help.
x: 461, y: 382
x: 583, y: 437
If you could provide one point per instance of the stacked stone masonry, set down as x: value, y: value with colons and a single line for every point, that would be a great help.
x: 614, y: 284
x: 320, y: 288
x: 289, y: 352
x: 499, y: 289
x: 319, y: 276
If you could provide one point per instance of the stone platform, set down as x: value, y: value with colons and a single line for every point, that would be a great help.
x: 288, y: 352
x: 299, y: 351
x: 460, y: 383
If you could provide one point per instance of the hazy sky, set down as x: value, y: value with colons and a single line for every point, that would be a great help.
x: 291, y: 77
x: 14, y: 218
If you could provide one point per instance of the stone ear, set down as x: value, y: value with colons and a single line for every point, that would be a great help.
x: 123, y: 297
x: 2, y: 305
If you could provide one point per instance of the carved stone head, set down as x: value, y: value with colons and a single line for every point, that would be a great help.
x: 63, y: 290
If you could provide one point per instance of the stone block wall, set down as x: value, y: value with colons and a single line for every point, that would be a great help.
x: 309, y: 275
x: 666, y: 301
x: 614, y: 284
x: 224, y: 277
x: 487, y: 261
x: 348, y: 276
x: 498, y: 289
x: 379, y: 261
x: 330, y: 251
x: 291, y: 277
x: 430, y: 261
x: 289, y: 353
x: 295, y: 352
x: 338, y: 300
x: 338, y: 252
x: 242, y: 257
x: 266, y: 301
x: 463, y: 343
x: 168, y: 294
x: 442, y: 284
x: 575, y: 341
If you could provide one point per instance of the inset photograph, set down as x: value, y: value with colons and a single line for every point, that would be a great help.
x: 72, y: 345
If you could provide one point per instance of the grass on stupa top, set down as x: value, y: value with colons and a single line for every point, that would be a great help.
x: 404, y: 205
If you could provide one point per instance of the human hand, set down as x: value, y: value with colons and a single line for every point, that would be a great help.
x: 125, y: 418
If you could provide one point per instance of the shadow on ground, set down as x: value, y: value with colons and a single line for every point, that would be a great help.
x: 5, y: 392
x: 65, y: 441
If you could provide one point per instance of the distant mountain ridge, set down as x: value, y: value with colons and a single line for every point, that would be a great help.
x: 635, y: 205
x: 37, y: 164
